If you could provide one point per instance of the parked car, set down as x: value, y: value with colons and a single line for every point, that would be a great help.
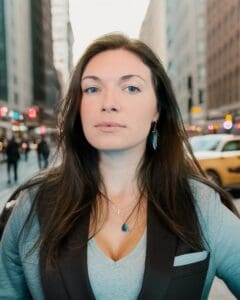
x: 219, y: 157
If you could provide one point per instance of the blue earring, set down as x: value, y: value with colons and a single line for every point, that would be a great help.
x: 154, y: 136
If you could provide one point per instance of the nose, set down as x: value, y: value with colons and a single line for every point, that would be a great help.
x: 110, y: 101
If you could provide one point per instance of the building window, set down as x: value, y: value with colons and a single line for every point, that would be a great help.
x: 200, y: 96
x: 200, y: 47
x: 201, y: 72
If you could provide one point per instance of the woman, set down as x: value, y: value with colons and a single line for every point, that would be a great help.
x: 128, y: 214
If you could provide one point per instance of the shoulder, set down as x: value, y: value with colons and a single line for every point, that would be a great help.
x: 199, y: 188
x: 205, y: 197
x: 24, y: 200
x: 207, y: 205
x: 16, y: 260
x: 217, y: 222
x: 19, y: 211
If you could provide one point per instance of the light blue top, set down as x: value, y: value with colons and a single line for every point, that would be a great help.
x: 20, y: 278
x: 102, y: 269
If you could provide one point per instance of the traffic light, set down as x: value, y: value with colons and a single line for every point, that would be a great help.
x: 32, y: 113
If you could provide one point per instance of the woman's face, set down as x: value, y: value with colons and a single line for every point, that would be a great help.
x: 119, y: 102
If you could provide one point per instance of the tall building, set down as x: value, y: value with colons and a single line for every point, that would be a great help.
x: 223, y: 58
x: 18, y: 53
x: 46, y: 86
x: 3, y: 71
x: 185, y: 29
x: 3, y: 59
x: 15, y: 66
x: 27, y: 74
x: 153, y: 29
x: 62, y: 39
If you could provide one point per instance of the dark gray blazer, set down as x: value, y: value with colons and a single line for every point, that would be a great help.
x: 161, y: 279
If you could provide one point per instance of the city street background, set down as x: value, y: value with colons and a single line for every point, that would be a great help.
x: 196, y: 41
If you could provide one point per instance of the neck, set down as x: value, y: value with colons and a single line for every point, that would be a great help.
x: 119, y: 172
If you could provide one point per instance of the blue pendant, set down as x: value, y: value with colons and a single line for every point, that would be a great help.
x: 124, y: 227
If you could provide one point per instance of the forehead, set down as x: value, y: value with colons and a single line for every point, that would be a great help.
x: 115, y: 62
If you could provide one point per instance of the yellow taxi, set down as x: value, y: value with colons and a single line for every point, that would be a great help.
x: 219, y: 157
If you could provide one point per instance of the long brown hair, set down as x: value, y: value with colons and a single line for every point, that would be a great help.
x: 69, y: 191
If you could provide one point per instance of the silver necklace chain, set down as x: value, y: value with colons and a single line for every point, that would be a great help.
x: 119, y: 212
x: 125, y: 227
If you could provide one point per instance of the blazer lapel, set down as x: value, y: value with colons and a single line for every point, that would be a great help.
x: 161, y: 249
x: 69, y: 280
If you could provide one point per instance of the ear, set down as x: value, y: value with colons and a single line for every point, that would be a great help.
x: 156, y: 117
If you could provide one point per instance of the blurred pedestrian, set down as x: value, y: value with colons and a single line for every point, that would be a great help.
x: 13, y: 155
x: 43, y: 152
x: 25, y: 148
x: 128, y: 214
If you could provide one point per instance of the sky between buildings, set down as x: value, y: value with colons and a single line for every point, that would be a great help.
x: 92, y: 18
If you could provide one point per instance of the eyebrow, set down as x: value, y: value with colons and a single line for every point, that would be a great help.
x: 122, y: 78
x: 91, y: 77
x: 127, y: 77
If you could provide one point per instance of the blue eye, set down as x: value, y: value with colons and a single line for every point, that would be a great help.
x: 133, y: 89
x: 90, y: 90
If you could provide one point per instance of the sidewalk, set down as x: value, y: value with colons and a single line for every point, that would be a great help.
x: 26, y: 170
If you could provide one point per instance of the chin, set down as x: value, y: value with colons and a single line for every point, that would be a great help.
x: 117, y: 145
x: 116, y: 148
x: 109, y: 147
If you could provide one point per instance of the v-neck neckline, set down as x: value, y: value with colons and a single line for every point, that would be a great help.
x: 134, y: 252
x: 71, y: 273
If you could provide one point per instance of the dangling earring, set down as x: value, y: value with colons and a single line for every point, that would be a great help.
x: 154, y: 136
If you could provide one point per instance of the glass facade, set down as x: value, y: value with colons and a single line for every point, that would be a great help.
x: 3, y: 59
x: 45, y: 81
x: 38, y: 51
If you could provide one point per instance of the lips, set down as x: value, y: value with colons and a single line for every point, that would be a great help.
x: 109, y: 125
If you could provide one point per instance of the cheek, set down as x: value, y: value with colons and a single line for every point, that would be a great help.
x: 83, y: 109
x: 86, y: 114
x: 147, y: 108
x: 141, y: 126
x: 143, y: 119
x: 85, y: 120
x: 145, y: 115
